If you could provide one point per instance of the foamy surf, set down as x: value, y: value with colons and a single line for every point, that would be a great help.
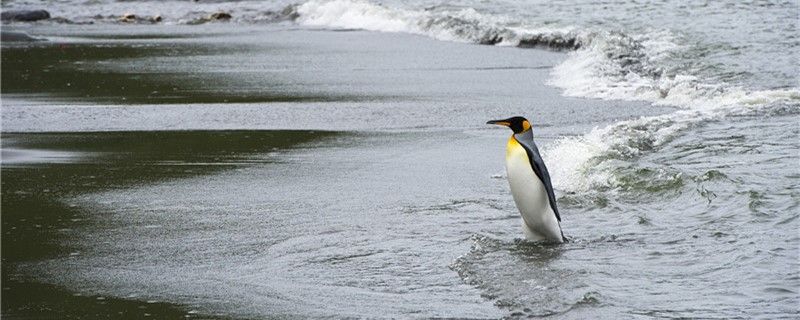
x: 466, y: 25
x: 228, y: 221
x: 588, y: 162
x: 604, y: 64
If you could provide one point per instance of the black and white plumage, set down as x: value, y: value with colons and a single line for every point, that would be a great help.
x: 530, y: 183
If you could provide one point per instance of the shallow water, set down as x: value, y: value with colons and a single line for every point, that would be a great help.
x: 391, y: 201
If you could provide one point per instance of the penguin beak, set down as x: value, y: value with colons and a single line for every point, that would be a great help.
x: 499, y: 122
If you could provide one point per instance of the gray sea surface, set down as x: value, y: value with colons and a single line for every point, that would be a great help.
x: 329, y: 159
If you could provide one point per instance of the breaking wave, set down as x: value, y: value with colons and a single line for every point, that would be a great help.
x: 601, y: 158
x: 465, y: 25
x: 602, y: 64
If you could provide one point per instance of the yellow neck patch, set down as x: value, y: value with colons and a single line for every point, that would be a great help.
x: 513, y: 147
x: 526, y: 125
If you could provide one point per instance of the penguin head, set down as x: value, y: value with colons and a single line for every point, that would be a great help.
x: 517, y: 124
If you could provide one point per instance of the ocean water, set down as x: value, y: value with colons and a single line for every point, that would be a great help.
x: 670, y: 130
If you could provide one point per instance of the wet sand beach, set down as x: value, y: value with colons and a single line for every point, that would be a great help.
x: 299, y: 171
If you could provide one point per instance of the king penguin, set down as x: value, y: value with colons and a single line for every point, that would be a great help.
x: 530, y: 183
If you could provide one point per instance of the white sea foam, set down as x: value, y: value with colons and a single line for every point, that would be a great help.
x: 590, y: 72
x: 357, y: 14
x: 605, y: 65
x: 613, y: 146
x: 465, y: 25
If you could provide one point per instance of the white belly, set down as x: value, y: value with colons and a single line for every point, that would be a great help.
x: 538, y: 219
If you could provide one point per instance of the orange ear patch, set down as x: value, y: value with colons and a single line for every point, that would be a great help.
x: 526, y: 125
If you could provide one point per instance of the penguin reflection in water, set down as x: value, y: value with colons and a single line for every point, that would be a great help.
x: 530, y: 183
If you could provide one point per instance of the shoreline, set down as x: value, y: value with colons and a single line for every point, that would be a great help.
x: 37, y: 118
x: 387, y: 183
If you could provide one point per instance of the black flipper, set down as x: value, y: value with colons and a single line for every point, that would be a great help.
x: 526, y: 140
